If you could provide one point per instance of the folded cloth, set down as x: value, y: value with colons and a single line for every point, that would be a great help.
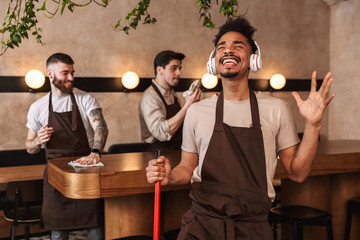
x: 99, y: 164
x: 192, y: 88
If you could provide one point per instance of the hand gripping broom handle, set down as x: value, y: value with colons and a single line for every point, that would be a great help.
x: 157, y: 204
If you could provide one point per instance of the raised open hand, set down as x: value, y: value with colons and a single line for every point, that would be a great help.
x: 312, y: 109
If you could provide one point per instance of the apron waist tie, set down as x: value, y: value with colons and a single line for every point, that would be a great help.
x: 227, y: 190
x: 224, y: 221
x: 229, y: 227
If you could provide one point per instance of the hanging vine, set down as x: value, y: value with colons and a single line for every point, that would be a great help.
x: 21, y: 20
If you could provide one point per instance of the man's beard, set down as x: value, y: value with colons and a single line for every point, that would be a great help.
x: 59, y: 84
x: 229, y: 74
x: 173, y: 84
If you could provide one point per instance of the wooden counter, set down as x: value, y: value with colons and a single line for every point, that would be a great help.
x: 20, y: 173
x: 129, y: 202
x: 333, y: 157
x: 122, y: 174
x: 129, y: 198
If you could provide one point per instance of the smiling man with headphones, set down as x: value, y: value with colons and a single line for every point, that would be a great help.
x: 231, y: 142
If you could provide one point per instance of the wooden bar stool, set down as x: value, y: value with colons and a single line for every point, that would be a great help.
x: 353, y: 205
x: 27, y: 197
x: 299, y: 216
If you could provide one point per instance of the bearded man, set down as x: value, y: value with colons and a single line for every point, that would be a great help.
x: 67, y: 122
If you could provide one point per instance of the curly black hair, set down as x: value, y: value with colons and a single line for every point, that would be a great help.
x: 241, y: 25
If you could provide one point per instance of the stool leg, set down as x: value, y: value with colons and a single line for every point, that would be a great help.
x: 301, y: 230
x: 348, y: 222
x: 12, y: 233
x: 274, y: 229
x: 298, y: 231
x: 329, y: 230
x: 27, y: 232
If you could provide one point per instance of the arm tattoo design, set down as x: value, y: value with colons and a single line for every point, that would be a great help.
x: 101, y: 131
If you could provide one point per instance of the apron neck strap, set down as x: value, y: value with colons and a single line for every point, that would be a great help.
x: 74, y: 110
x: 253, y: 106
x: 50, y: 103
x: 220, y: 108
x: 254, y: 109
x: 161, y: 96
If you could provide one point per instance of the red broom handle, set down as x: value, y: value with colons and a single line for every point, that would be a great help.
x: 157, y: 204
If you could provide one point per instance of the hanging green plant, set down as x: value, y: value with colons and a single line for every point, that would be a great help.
x: 21, y: 20
x: 134, y: 17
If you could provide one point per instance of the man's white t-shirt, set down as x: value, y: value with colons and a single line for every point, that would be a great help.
x: 38, y: 114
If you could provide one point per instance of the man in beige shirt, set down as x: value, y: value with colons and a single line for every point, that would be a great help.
x: 160, y: 111
x: 231, y: 143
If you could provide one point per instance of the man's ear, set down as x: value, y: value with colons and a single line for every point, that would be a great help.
x: 159, y: 70
x: 49, y: 73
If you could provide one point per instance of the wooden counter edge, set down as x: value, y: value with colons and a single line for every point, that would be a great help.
x: 21, y: 173
x: 130, y: 183
x: 326, y: 164
x: 74, y: 185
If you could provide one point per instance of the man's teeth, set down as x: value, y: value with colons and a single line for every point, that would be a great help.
x: 229, y: 61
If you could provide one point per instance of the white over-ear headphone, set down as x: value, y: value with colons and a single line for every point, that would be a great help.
x: 255, y: 61
x: 211, y: 64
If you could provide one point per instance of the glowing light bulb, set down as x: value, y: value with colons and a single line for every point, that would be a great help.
x: 277, y: 81
x: 209, y: 81
x: 130, y: 80
x: 34, y: 79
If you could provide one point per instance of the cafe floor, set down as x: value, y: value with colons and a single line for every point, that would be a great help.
x: 75, y: 235
x: 81, y: 235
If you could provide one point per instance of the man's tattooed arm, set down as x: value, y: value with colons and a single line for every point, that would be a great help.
x: 101, y: 131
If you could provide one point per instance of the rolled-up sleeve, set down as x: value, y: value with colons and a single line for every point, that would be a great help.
x: 153, y: 112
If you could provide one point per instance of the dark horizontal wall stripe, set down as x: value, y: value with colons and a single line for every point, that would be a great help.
x: 102, y: 84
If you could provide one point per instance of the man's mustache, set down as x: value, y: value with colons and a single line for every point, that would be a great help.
x: 229, y: 55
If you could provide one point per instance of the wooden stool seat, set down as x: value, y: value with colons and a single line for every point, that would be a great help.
x: 299, y: 216
x: 137, y: 237
x: 171, y: 235
x: 353, y: 205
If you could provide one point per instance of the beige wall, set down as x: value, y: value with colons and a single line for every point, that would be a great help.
x: 344, y: 63
x: 293, y: 36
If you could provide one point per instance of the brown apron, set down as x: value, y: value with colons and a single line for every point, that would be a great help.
x: 171, y: 110
x: 69, y: 139
x: 232, y: 201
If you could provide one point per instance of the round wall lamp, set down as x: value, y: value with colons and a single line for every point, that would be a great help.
x: 34, y: 79
x: 209, y: 81
x: 277, y: 81
x: 130, y: 80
